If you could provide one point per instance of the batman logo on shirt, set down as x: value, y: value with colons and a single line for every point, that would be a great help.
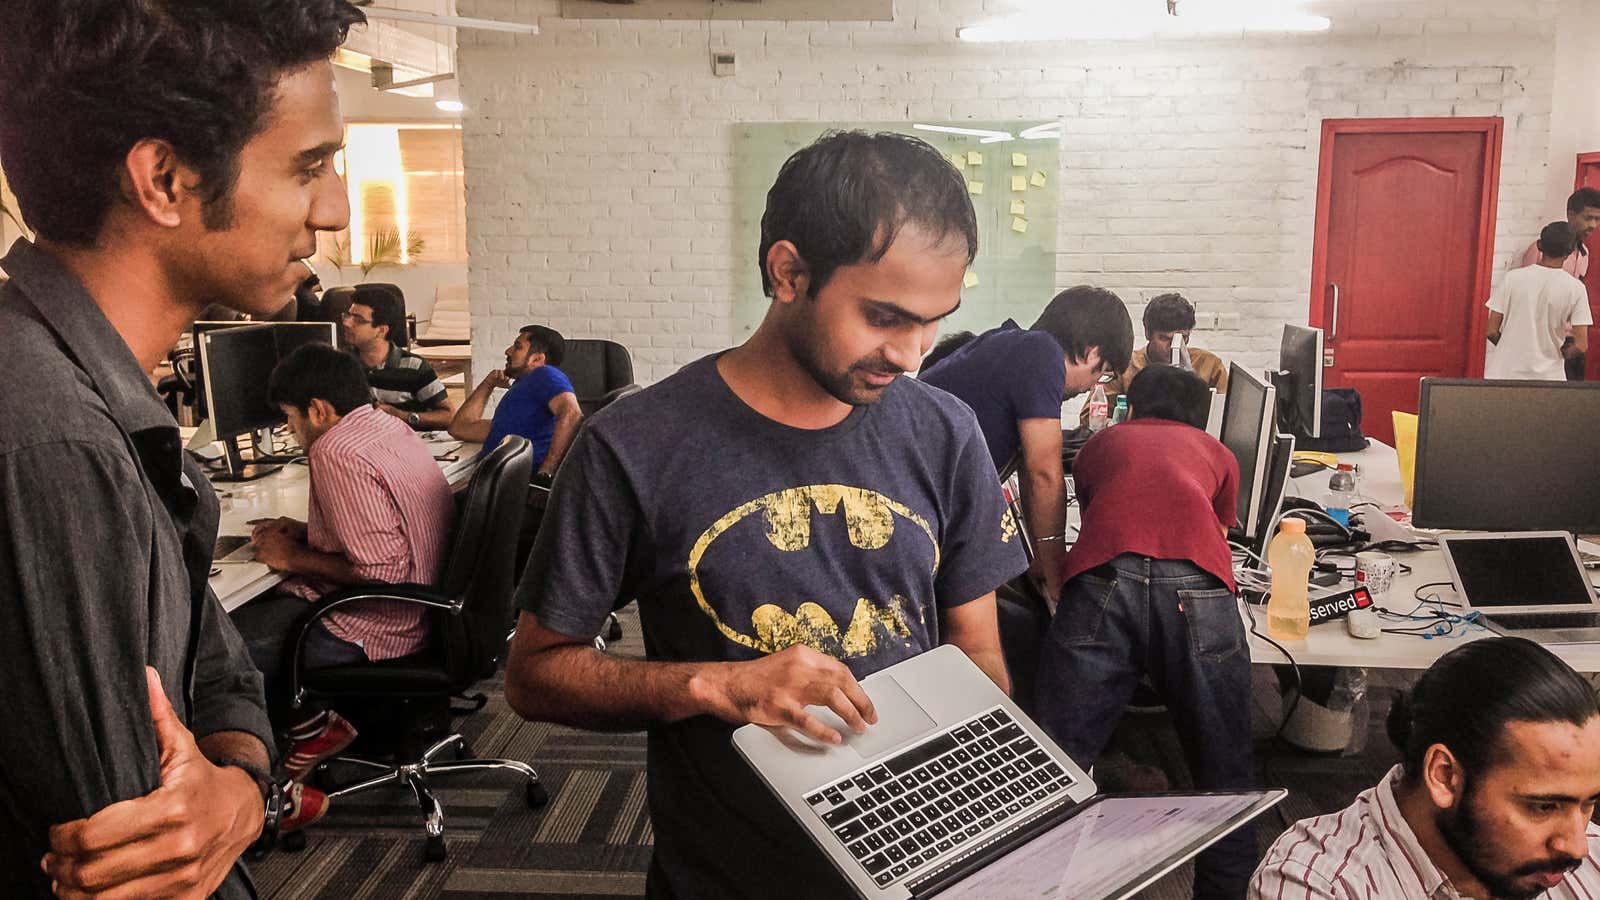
x: 871, y: 521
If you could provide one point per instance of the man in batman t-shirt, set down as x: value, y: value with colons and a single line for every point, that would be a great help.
x: 791, y: 515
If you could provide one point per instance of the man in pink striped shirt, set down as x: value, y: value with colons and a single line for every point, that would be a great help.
x: 380, y: 512
x: 1493, y: 797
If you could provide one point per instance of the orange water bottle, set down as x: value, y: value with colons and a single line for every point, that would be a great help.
x: 1291, y: 557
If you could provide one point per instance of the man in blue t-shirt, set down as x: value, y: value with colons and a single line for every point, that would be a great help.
x: 1016, y: 379
x: 541, y: 405
x: 791, y: 516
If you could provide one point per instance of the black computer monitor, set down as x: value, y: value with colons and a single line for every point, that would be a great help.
x: 1507, y: 456
x: 1299, y: 381
x: 1247, y: 431
x: 287, y: 336
x: 235, y: 364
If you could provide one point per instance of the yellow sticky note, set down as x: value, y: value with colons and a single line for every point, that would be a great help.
x: 1020, y: 226
x: 971, y: 280
x: 1018, y: 208
x: 1019, y: 160
x: 1038, y: 179
x: 974, y: 158
x: 959, y: 160
x: 974, y: 187
x: 1019, y: 183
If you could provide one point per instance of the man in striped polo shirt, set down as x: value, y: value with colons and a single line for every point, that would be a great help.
x: 402, y: 382
x: 380, y: 512
x: 1493, y: 797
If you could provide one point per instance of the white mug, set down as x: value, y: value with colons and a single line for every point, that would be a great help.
x: 1375, y: 572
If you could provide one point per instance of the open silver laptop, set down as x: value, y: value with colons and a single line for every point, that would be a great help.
x: 956, y: 792
x: 1531, y: 584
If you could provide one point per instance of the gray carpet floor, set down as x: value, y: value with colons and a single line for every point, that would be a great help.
x: 593, y: 839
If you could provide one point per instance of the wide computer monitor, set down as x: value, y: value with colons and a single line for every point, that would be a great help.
x: 1248, y: 431
x: 1299, y: 381
x: 1507, y: 456
x: 287, y: 336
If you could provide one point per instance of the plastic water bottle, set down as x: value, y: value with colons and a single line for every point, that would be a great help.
x: 1099, y: 409
x: 1291, y: 556
x: 1120, y: 414
x: 1180, y: 353
x: 1341, y: 493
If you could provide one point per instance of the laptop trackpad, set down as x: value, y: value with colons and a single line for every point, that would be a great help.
x: 900, y: 719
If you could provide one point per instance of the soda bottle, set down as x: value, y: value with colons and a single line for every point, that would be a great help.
x: 1099, y: 408
x: 1291, y: 557
x: 1120, y: 413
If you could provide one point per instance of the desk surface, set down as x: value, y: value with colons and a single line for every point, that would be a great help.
x: 1331, y: 645
x: 287, y: 492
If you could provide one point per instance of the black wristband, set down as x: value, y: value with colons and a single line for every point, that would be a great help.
x: 271, y: 802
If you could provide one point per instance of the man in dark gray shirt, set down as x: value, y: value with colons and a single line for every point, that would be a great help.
x: 166, y: 154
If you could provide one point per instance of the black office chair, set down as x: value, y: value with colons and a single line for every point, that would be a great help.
x: 601, y: 372
x: 469, y: 610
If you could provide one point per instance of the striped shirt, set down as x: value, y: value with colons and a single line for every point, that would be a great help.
x: 1367, y: 850
x: 378, y: 499
x: 405, y: 381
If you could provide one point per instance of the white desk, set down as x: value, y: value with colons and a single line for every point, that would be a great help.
x: 1330, y: 644
x: 287, y: 492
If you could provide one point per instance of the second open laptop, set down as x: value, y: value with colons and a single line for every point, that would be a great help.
x: 1530, y: 583
x: 956, y: 792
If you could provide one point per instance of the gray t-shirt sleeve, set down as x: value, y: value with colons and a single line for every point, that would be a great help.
x: 576, y: 570
x: 981, y: 547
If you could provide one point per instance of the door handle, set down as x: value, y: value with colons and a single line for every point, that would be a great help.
x: 1333, y: 324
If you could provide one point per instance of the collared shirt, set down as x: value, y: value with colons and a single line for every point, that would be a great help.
x: 1367, y: 850
x: 1576, y: 264
x: 106, y: 533
x: 378, y: 499
x: 405, y: 381
x: 1211, y: 369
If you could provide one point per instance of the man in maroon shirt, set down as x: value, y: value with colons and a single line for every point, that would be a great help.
x: 1149, y: 591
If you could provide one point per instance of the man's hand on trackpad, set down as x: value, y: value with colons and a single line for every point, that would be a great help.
x: 776, y: 690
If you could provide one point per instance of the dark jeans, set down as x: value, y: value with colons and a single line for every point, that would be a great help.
x: 268, y: 625
x: 1180, y: 625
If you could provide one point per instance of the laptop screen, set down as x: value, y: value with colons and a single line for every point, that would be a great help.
x: 1519, y: 571
x: 1111, y: 847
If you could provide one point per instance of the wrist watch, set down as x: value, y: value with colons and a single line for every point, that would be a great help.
x: 414, y: 419
x: 272, y: 804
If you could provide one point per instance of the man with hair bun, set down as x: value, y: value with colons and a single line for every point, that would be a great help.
x: 1494, y: 795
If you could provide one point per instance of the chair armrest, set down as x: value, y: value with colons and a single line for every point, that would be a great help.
x: 611, y: 396
x: 420, y: 594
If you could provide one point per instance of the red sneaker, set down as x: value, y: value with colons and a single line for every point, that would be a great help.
x: 306, y: 805
x: 305, y: 754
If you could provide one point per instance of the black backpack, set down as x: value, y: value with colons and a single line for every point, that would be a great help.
x: 1341, y: 424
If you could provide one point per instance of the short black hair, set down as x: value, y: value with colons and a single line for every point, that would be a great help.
x: 1583, y: 198
x: 1168, y: 392
x: 947, y: 345
x: 547, y: 341
x: 386, y: 310
x: 1558, y: 240
x: 319, y: 372
x: 1465, y: 700
x: 1082, y: 317
x: 843, y: 199
x: 1168, y: 312
x: 82, y: 82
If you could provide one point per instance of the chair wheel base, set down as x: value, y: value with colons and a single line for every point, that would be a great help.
x: 537, y: 795
x: 434, y: 851
x: 293, y: 842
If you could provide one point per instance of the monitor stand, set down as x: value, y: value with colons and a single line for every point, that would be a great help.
x: 238, y: 469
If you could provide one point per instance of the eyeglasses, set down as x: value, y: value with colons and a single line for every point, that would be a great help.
x: 352, y: 317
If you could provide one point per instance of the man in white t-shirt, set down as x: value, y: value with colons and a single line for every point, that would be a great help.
x: 1531, y: 311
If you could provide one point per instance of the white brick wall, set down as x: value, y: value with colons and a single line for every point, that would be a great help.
x: 599, y: 166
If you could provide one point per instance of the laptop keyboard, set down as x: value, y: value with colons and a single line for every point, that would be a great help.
x: 1525, y: 621
x: 228, y: 543
x: 913, y: 811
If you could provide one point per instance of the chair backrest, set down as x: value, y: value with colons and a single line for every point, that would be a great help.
x: 482, y: 560
x: 451, y: 319
x: 596, y: 368
x: 1011, y: 488
x: 336, y: 302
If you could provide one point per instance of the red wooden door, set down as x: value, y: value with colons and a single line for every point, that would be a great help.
x: 1400, y: 272
x: 1589, y: 176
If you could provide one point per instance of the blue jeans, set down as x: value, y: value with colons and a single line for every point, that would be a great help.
x: 268, y: 625
x: 1178, y: 624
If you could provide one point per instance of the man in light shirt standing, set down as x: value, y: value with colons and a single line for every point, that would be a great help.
x: 1530, y: 313
x: 1583, y: 214
x: 1493, y: 797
